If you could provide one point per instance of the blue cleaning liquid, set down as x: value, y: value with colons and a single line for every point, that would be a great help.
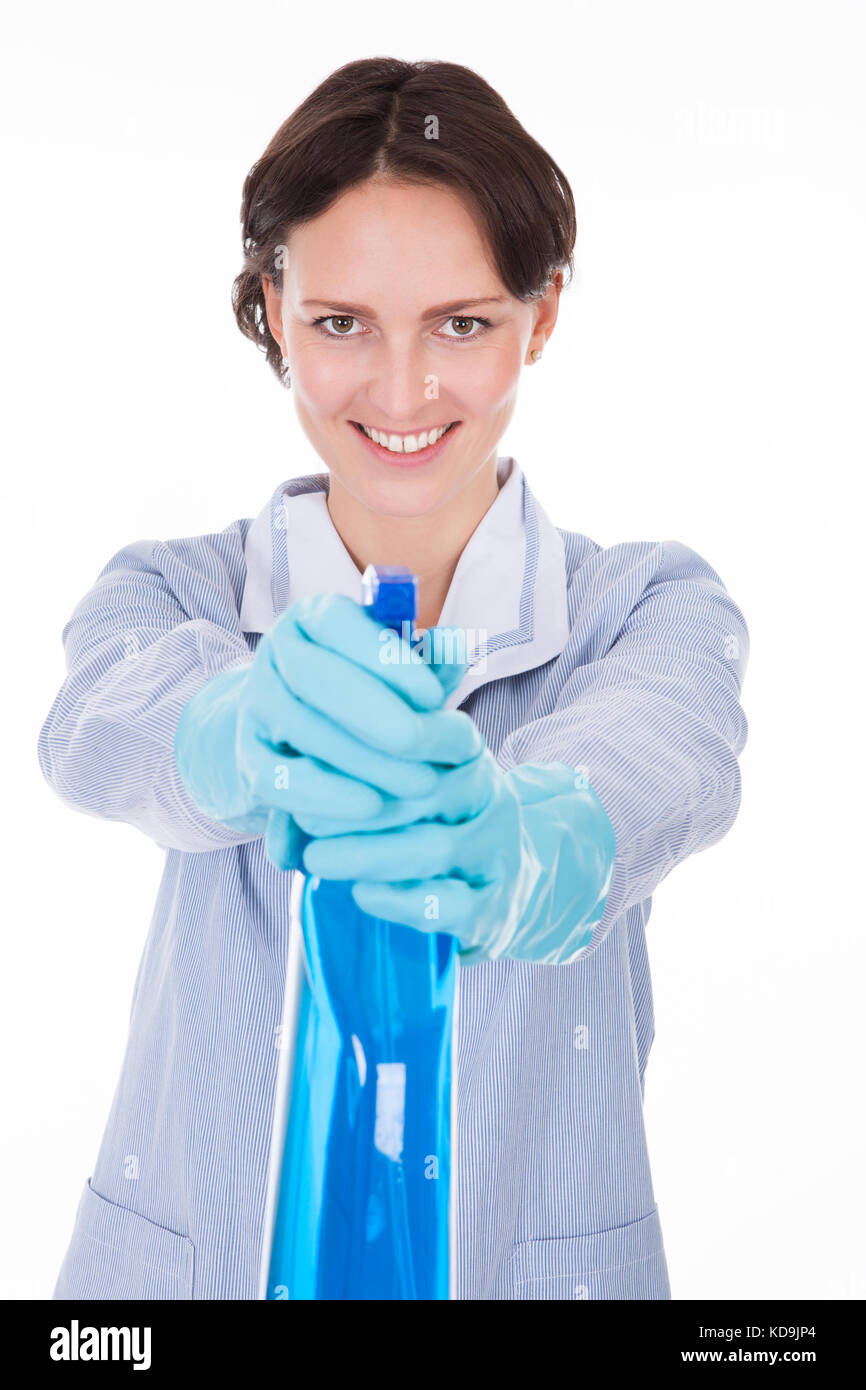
x: 365, y: 1163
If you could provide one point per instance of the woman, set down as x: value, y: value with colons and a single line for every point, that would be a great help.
x: 405, y: 244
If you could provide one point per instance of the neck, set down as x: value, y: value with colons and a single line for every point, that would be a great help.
x: 430, y: 551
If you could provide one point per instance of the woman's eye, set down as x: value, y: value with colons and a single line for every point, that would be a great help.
x: 463, y: 325
x: 340, y: 321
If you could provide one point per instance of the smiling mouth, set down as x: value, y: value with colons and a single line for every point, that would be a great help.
x: 405, y: 443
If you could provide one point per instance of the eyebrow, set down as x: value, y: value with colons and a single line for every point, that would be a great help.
x: 436, y: 312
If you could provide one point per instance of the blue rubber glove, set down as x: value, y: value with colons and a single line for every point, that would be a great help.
x: 321, y: 722
x: 514, y: 864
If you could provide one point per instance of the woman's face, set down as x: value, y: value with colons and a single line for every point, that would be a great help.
x: 415, y: 332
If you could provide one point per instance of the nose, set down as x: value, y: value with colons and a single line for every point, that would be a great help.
x: 399, y: 384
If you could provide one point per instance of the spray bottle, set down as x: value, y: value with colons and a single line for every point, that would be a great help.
x: 362, y: 1185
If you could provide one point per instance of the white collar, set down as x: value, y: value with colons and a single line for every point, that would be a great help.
x: 508, y: 590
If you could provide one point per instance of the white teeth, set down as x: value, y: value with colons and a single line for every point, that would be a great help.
x: 404, y: 444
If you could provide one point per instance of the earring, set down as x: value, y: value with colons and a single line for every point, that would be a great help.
x: 536, y: 354
x: 286, y: 365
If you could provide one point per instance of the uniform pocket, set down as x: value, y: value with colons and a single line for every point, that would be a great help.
x: 626, y: 1262
x: 116, y: 1253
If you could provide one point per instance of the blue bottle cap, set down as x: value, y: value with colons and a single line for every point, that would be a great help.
x: 390, y: 594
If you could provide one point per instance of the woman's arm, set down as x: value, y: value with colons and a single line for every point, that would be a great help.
x: 657, y: 725
x: 160, y: 620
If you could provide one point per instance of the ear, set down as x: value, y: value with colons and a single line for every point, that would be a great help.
x: 274, y: 311
x: 546, y: 314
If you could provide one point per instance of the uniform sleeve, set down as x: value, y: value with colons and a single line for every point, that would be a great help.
x: 655, y: 725
x: 160, y: 620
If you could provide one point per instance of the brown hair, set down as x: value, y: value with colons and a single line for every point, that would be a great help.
x: 373, y: 117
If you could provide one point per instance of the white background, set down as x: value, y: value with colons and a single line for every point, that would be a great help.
x: 704, y: 383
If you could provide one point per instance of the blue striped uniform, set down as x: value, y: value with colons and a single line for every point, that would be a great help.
x: 626, y: 661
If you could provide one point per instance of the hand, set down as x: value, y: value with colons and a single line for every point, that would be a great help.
x: 516, y: 864
x: 319, y: 724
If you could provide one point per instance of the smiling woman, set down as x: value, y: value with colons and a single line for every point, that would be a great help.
x: 406, y: 243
